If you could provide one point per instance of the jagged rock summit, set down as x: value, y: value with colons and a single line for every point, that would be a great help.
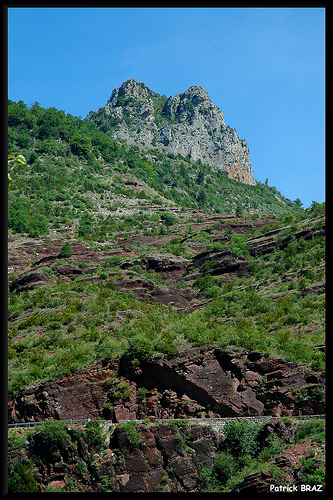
x: 188, y: 124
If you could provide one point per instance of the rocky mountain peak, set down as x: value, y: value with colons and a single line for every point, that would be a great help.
x: 188, y: 124
x: 130, y: 89
x: 197, y: 95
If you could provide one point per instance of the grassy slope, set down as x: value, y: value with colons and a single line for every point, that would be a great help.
x: 74, y: 183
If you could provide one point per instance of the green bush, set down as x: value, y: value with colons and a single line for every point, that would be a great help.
x: 312, y: 474
x: 53, y: 435
x: 94, y: 435
x: 225, y: 466
x: 139, y: 348
x: 241, y: 437
x: 85, y: 227
x: 122, y: 391
x: 21, y: 479
x: 81, y: 468
x: 168, y: 218
x: 167, y: 344
x: 314, y: 428
x: 66, y: 250
x: 132, y: 434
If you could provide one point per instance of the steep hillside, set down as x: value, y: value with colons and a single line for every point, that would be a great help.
x: 72, y: 166
x: 111, y: 251
x: 145, y: 286
x: 161, y: 283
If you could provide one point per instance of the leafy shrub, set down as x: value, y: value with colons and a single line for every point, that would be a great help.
x: 18, y: 380
x: 103, y: 275
x: 241, y: 437
x: 168, y: 218
x: 94, y: 435
x: 132, y: 434
x: 80, y: 468
x: 52, y: 435
x: 314, y: 428
x: 166, y: 344
x: 239, y: 246
x: 66, y: 250
x: 312, y: 474
x: 139, y: 348
x: 207, y: 266
x: 212, y: 292
x: 122, y: 391
x: 85, y: 225
x: 204, y: 282
x: 21, y: 479
x: 225, y: 466
x: 141, y: 394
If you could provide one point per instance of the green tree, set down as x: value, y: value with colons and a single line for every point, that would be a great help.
x: 168, y: 218
x: 298, y: 203
x: 239, y: 210
x: 225, y: 466
x: 200, y: 177
x: 17, y: 215
x: 80, y: 145
x: 85, y: 224
x: 66, y: 250
x: 241, y: 437
x: 202, y: 198
x: 94, y: 435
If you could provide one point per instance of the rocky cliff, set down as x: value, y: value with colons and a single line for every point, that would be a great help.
x: 194, y: 384
x: 188, y: 124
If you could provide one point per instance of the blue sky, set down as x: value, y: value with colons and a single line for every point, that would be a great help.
x: 263, y: 67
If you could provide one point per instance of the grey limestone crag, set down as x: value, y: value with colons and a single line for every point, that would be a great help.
x: 188, y: 124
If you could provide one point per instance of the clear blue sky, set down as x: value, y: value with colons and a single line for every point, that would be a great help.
x: 263, y: 67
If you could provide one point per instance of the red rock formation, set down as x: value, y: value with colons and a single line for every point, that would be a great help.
x: 196, y: 383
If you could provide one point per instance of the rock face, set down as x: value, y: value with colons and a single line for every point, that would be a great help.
x: 194, y: 384
x: 188, y: 124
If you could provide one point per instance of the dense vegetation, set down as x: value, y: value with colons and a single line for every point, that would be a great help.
x: 243, y: 453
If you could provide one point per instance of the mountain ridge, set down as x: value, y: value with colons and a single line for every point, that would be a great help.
x: 188, y: 124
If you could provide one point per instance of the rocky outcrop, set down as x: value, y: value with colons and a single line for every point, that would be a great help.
x: 289, y: 463
x: 282, y: 236
x: 258, y: 482
x: 218, y: 263
x: 157, y: 262
x: 188, y: 124
x: 164, y: 450
x: 195, y: 383
x: 143, y: 459
x: 29, y: 281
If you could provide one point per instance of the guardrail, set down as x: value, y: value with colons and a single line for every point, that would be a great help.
x: 42, y: 422
x: 206, y: 421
